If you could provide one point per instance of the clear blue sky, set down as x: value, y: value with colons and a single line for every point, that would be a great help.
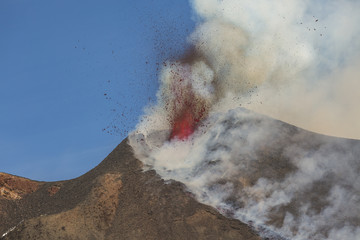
x: 75, y: 76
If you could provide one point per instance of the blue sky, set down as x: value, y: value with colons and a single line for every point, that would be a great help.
x: 75, y: 76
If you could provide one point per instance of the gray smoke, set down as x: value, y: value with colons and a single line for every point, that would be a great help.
x: 274, y: 176
x: 304, y: 57
x: 297, y: 61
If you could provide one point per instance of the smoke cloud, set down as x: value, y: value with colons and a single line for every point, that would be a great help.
x: 280, y: 179
x: 296, y: 61
x: 306, y: 53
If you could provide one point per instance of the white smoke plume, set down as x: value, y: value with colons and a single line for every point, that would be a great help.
x: 291, y: 182
x: 306, y: 52
x: 296, y: 61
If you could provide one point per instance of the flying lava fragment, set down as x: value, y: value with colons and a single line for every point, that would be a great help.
x: 185, y: 106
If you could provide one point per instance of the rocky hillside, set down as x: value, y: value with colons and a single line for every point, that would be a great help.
x: 115, y: 200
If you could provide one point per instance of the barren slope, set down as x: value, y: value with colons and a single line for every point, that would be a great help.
x: 115, y: 200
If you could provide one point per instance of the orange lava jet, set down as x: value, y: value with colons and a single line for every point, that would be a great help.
x: 183, y: 127
x: 188, y: 110
x: 185, y: 103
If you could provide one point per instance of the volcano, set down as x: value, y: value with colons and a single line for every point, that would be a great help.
x: 279, y: 180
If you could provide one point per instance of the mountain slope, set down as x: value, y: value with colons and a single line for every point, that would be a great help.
x: 115, y: 200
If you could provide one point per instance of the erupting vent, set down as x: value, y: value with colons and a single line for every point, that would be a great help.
x: 185, y: 105
x: 184, y: 126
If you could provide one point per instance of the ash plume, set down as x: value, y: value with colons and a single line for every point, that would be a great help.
x: 305, y: 52
x: 296, y: 61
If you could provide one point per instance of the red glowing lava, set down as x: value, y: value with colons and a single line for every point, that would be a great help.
x: 186, y: 108
x: 183, y: 127
x: 186, y: 120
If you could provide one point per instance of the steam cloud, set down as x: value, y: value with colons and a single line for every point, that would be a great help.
x: 297, y: 61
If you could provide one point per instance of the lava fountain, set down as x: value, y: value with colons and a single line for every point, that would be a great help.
x: 185, y: 104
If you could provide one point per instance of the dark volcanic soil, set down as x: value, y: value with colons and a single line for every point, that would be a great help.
x: 115, y: 200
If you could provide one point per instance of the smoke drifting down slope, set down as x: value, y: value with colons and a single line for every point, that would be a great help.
x: 274, y: 176
x: 290, y: 60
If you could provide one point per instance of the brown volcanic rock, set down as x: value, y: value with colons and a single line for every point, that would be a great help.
x: 13, y: 187
x: 115, y: 200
